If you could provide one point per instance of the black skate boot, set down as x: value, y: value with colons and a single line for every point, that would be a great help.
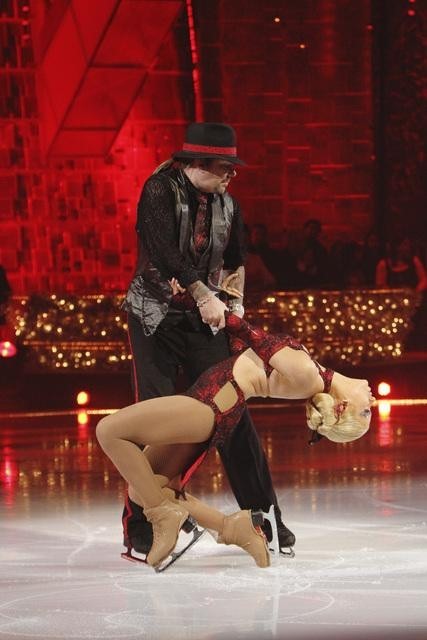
x: 137, y: 532
x: 280, y: 538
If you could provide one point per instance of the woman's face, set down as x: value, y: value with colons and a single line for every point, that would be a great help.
x: 362, y: 400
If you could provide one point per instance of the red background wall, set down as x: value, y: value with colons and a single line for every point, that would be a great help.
x: 293, y: 78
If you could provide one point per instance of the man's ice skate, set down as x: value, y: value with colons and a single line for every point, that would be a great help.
x: 137, y: 531
x: 280, y: 543
x: 136, y: 556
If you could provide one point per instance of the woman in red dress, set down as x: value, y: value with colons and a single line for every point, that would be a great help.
x: 337, y: 407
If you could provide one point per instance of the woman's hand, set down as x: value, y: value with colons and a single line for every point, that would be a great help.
x: 230, y: 285
x: 176, y: 287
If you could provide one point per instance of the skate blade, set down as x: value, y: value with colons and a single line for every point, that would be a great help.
x: 185, y: 541
x: 140, y: 558
x: 274, y: 545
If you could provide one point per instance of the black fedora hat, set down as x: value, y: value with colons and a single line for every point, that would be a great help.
x: 209, y: 140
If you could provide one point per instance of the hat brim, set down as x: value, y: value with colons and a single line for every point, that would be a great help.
x: 194, y: 155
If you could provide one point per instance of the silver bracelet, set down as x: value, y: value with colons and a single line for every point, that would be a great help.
x: 236, y: 306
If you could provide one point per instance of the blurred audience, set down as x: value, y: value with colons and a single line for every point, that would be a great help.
x: 281, y: 262
x: 353, y: 264
x: 311, y: 258
x: 372, y: 254
x: 401, y: 267
x: 298, y: 259
x: 257, y: 275
x: 346, y: 261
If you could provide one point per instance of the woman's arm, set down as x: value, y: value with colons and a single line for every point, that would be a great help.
x: 295, y: 375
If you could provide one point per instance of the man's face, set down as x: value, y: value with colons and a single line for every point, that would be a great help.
x: 211, y: 176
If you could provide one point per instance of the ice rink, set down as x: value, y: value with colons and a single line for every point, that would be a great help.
x: 359, y: 513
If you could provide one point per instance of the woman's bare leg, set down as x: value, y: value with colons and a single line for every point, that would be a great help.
x: 159, y: 421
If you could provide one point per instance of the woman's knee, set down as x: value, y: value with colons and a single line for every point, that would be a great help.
x: 103, y: 431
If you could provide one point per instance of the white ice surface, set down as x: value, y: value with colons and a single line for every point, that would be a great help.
x: 360, y: 571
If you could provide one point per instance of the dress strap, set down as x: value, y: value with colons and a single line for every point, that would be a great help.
x: 236, y: 386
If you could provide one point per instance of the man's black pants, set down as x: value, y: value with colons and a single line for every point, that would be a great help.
x: 184, y: 342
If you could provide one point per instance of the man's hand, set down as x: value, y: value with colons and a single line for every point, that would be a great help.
x: 211, y: 308
x: 212, y: 312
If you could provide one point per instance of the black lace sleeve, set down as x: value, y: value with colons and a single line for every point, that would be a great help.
x: 157, y: 226
x: 235, y: 253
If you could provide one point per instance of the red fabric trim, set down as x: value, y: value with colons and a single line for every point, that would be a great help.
x: 135, y: 378
x: 185, y: 477
x: 229, y: 151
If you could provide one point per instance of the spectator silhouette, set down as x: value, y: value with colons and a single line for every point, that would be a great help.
x: 281, y: 262
x: 401, y: 267
x: 372, y: 254
x: 312, y: 259
x: 257, y: 275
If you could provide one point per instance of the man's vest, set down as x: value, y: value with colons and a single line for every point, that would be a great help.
x: 150, y: 293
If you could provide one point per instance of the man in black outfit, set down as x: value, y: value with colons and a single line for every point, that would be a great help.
x: 190, y: 229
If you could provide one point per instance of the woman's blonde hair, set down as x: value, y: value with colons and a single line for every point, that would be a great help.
x: 338, y: 422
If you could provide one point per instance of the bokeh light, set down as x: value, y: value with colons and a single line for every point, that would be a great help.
x: 82, y: 398
x: 7, y: 349
x: 384, y: 389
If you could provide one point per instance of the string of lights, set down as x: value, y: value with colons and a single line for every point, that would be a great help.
x: 89, y: 332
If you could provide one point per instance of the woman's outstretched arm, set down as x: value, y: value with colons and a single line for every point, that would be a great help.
x: 295, y: 375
